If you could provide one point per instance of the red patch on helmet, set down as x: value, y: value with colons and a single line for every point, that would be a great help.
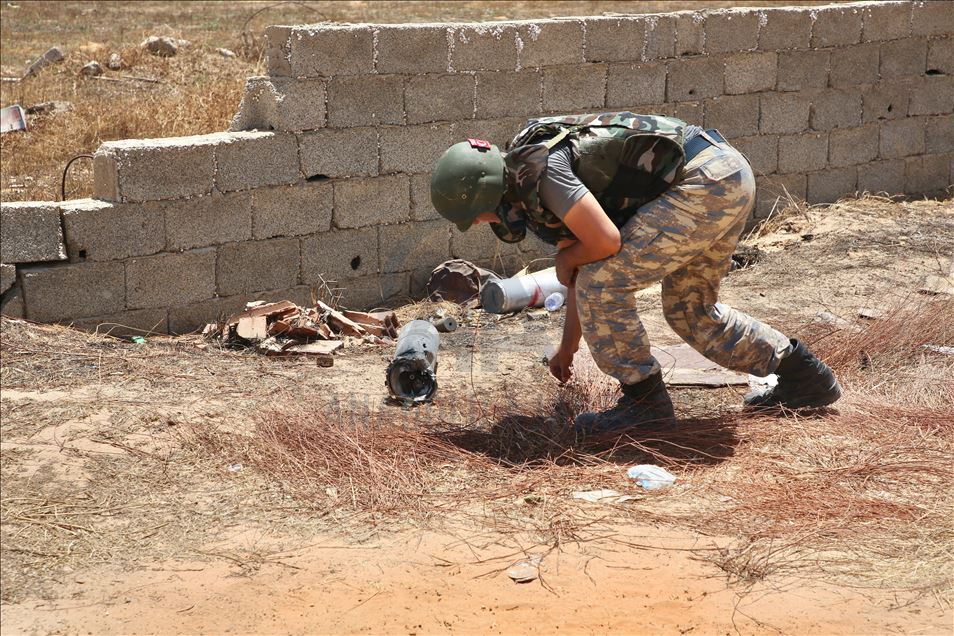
x: 479, y: 143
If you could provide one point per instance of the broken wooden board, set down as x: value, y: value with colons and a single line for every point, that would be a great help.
x: 684, y: 366
x: 341, y: 323
x: 283, y: 328
x: 319, y: 347
x: 269, y: 310
x: 252, y: 327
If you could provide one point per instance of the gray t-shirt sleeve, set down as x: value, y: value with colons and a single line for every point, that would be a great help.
x: 559, y: 187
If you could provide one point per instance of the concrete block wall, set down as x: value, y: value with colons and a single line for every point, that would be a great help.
x: 324, y: 175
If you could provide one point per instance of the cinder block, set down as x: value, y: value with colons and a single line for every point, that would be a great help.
x: 137, y: 322
x: 836, y: 109
x: 940, y: 58
x: 836, y: 26
x: 322, y: 51
x: 886, y: 21
x: 479, y: 243
x: 506, y: 94
x: 903, y: 58
x: 882, y: 177
x: 690, y: 33
x: 72, y: 291
x: 190, y: 317
x: 8, y: 275
x: 830, y: 185
x: 252, y: 266
x: 802, y: 153
x: 785, y: 28
x: 800, y: 70
x: 886, y: 101
x: 550, y: 42
x: 784, y: 112
x: 103, y: 231
x: 634, y: 84
x: 932, y: 95
x: 901, y: 138
x: 169, y: 279
x: 574, y: 87
x: 729, y: 30
x: 409, y: 246
x: 31, y: 232
x: 339, y: 255
x: 366, y: 101
x: 105, y: 177
x: 484, y: 47
x: 496, y: 131
x: 689, y: 112
x: 341, y: 152
x: 291, y: 210
x: 750, y: 72
x: 11, y: 305
x: 660, y: 36
x: 371, y: 292
x: 852, y: 146
x: 411, y: 48
x: 360, y: 202
x: 931, y: 17
x: 430, y: 98
x: 615, y: 38
x: 760, y: 150
x: 281, y: 103
x: 927, y: 174
x: 939, y: 134
x: 854, y: 65
x: 205, y: 221
x: 421, y: 207
x: 254, y: 159
x: 415, y: 148
x: 772, y: 193
x: 693, y: 79
x: 733, y: 115
x: 278, y: 51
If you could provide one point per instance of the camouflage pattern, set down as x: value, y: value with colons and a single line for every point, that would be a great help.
x: 685, y: 238
x: 624, y: 159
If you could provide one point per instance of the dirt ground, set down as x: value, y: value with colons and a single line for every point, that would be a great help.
x: 116, y: 520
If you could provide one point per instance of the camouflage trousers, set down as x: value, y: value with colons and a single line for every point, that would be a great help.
x: 685, y: 238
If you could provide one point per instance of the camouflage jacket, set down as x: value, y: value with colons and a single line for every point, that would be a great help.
x: 624, y: 159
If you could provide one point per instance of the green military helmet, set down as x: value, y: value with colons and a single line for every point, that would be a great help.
x: 467, y: 181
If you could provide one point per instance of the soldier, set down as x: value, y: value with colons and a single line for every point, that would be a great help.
x: 630, y: 200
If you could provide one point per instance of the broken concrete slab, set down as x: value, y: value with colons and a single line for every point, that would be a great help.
x: 52, y: 56
x: 31, y: 232
x: 684, y: 366
x: 8, y: 275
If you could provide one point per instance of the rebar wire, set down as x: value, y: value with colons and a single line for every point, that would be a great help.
x: 66, y: 170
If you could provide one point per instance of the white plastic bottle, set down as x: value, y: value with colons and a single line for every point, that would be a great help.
x: 554, y: 301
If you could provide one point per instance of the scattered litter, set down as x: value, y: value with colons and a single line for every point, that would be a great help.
x: 161, y: 46
x: 949, y: 351
x: 138, y: 339
x: 540, y: 314
x: 836, y: 321
x: 92, y: 69
x: 871, y: 313
x: 526, y: 570
x: 604, y: 495
x: 53, y: 55
x: 235, y: 468
x: 458, y: 281
x: 447, y: 324
x: 225, y: 52
x: 651, y: 477
x: 530, y: 500
x: 115, y: 62
x: 760, y: 385
x: 554, y: 301
x: 411, y: 376
x: 519, y: 292
x: 332, y: 492
x: 12, y: 119
x: 53, y: 107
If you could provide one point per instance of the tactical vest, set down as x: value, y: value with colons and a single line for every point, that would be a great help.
x: 625, y: 160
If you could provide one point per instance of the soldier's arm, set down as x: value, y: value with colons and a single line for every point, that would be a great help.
x: 597, y: 237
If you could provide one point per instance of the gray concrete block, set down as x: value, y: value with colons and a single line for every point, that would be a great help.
x: 901, y: 138
x: 411, y: 48
x: 31, y: 232
x: 325, y: 50
x: 882, y: 177
x: 254, y: 159
x: 784, y: 112
x: 124, y: 324
x: 339, y: 255
x: 361, y: 202
x: 479, y: 243
x: 630, y: 85
x: 729, y: 30
x: 932, y: 95
x: 886, y: 21
x: 60, y: 292
x: 690, y: 33
x: 927, y: 174
x: 506, y: 94
x: 689, y: 112
x: 940, y: 58
x: 733, y: 115
x: 252, y: 266
x: 800, y: 70
x: 660, y: 36
x: 104, y: 231
x: 415, y: 148
x: 496, y: 131
x: 931, y: 17
x: 939, y: 134
x: 105, y: 177
x: 854, y: 65
x: 836, y: 26
x: 205, y: 221
x: 615, y: 38
x: 278, y: 51
x: 281, y: 103
x: 836, y: 109
x: 291, y: 210
x: 773, y: 193
x: 760, y: 150
x: 785, y: 28
x: 802, y: 153
x: 366, y: 101
x: 852, y: 146
x: 484, y: 47
x: 693, y: 79
x: 830, y: 185
x: 12, y: 305
x: 430, y: 98
x: 750, y: 72
x: 886, y: 100
x: 8, y: 276
x: 339, y: 152
x: 903, y: 58
x: 189, y: 317
x: 370, y: 292
x: 408, y: 246
x: 550, y: 42
x: 421, y: 207
x: 574, y: 87
x: 169, y: 279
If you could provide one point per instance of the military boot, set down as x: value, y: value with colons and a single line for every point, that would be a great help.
x: 644, y: 405
x: 804, y: 381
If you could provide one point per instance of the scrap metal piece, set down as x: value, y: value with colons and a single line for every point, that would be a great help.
x: 520, y: 292
x: 411, y: 376
x: 446, y: 324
